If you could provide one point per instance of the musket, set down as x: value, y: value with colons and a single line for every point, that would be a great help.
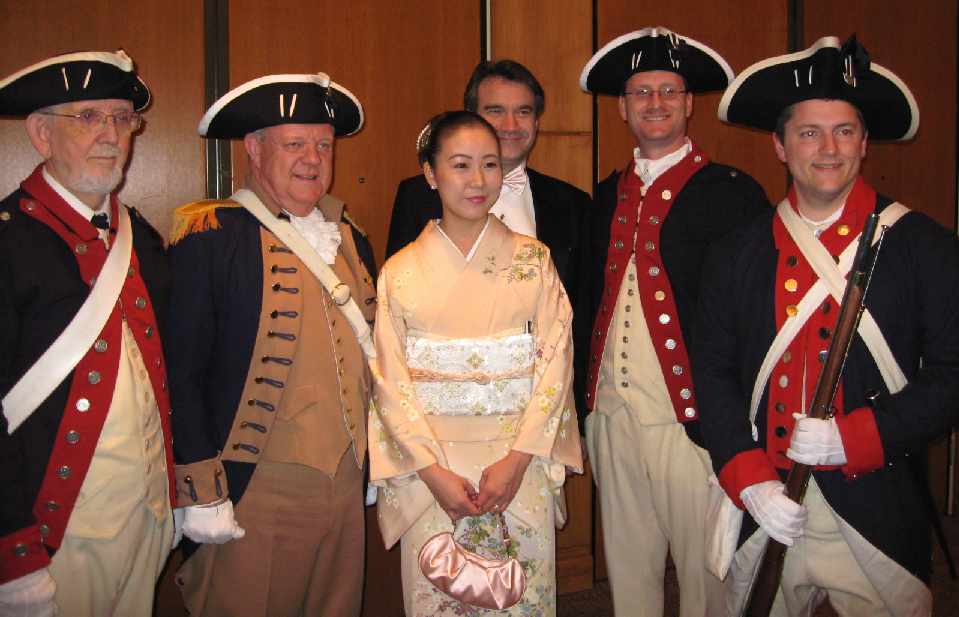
x: 766, y: 583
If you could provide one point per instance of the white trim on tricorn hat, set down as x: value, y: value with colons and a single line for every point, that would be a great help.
x: 282, y: 99
x: 654, y: 49
x: 76, y: 76
x: 826, y: 70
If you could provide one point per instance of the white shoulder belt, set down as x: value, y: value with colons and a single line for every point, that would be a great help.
x: 832, y: 281
x: 63, y: 355
x: 338, y: 290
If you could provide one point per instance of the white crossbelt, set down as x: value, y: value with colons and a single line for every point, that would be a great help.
x: 63, y: 355
x: 338, y: 290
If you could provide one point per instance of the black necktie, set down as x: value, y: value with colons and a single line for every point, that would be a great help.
x: 100, y: 221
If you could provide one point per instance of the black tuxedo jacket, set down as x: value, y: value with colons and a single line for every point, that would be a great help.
x: 562, y: 214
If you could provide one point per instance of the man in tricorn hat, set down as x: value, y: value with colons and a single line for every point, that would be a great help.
x: 768, y: 311
x: 85, y: 459
x: 268, y: 377
x: 653, y: 224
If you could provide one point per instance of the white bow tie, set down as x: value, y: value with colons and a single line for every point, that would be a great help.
x: 515, y: 180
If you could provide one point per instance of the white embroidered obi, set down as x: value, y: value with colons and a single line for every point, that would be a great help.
x: 483, y: 376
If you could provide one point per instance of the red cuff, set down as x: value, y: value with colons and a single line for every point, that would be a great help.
x: 745, y: 469
x: 21, y: 553
x: 860, y: 440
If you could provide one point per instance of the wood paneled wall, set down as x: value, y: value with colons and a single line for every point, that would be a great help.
x: 165, y: 39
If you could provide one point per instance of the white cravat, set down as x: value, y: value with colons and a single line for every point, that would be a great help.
x: 650, y: 169
x: 818, y: 227
x: 323, y: 236
x: 515, y: 204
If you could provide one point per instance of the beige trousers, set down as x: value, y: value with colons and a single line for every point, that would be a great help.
x: 820, y: 565
x: 653, y: 492
x: 113, y: 577
x: 302, y: 555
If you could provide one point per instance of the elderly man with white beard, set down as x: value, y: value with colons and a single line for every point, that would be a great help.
x: 85, y: 456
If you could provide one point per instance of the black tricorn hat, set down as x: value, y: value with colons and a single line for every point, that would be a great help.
x: 654, y: 49
x: 282, y: 99
x: 78, y: 76
x: 824, y: 71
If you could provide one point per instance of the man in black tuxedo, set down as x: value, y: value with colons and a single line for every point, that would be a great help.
x: 510, y: 98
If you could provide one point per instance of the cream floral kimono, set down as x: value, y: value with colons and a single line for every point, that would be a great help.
x: 474, y: 358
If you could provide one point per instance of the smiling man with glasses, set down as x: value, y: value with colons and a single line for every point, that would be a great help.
x: 85, y: 452
x: 652, y: 224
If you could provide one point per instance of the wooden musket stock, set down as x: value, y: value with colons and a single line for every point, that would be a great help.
x: 766, y: 583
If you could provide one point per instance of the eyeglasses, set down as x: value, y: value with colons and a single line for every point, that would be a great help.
x: 667, y: 93
x: 94, y: 119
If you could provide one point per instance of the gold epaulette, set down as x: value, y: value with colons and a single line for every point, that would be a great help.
x: 353, y: 224
x: 196, y: 217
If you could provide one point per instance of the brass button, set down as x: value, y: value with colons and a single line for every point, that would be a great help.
x: 100, y: 346
x: 72, y: 437
x: 783, y: 381
x: 677, y: 370
x: 81, y: 248
x: 690, y: 412
x: 787, y: 356
x: 791, y: 285
x: 660, y: 295
x: 93, y: 377
x: 149, y: 331
x: 824, y: 333
x: 697, y: 159
x: 4, y: 216
x: 44, y: 530
x: 31, y: 206
x: 650, y: 246
x: 621, y: 220
x: 83, y: 405
x: 823, y: 354
x: 20, y: 550
x: 843, y: 230
x: 791, y: 261
x: 51, y: 506
x: 654, y: 271
x: 654, y: 220
x: 685, y: 394
x: 140, y: 302
x: 780, y: 408
x: 664, y: 319
x: 64, y: 472
x: 618, y: 244
x: 781, y: 431
x: 667, y: 194
x: 670, y: 344
x: 791, y: 310
x: 612, y: 267
x: 626, y: 323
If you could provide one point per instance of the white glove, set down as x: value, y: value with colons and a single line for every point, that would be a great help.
x: 30, y: 595
x: 211, y: 524
x: 816, y: 442
x: 779, y: 516
x: 178, y: 515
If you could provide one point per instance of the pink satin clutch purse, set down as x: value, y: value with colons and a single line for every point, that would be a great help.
x: 465, y: 576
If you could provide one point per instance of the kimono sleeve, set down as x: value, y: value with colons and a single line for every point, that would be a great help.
x: 401, y: 441
x: 548, y: 427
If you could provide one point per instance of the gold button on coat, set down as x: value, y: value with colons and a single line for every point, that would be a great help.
x: 660, y: 295
x: 843, y: 230
x: 791, y: 285
x: 791, y: 310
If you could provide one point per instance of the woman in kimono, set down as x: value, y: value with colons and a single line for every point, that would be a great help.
x: 472, y: 412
